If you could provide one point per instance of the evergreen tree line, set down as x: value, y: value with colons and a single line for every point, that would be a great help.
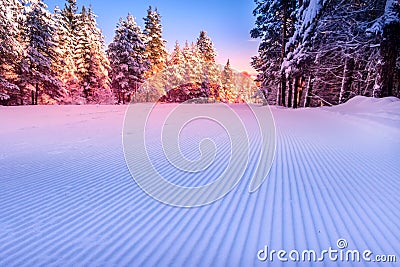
x: 193, y: 67
x: 137, y: 56
x: 323, y: 52
x: 49, y: 57
x: 60, y: 57
x: 192, y: 72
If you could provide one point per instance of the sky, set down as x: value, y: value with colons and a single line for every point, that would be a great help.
x: 227, y: 22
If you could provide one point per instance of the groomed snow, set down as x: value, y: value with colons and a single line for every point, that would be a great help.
x: 67, y: 197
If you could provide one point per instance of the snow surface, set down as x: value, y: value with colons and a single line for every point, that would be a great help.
x: 68, y: 199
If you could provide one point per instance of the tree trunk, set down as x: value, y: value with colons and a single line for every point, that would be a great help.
x: 290, y: 93
x: 301, y: 89
x: 347, y: 80
x: 307, y: 99
x: 32, y: 97
x: 21, y: 95
x: 135, y: 87
x: 296, y: 91
x: 283, y: 89
x: 283, y: 55
x: 278, y: 95
x: 342, y: 89
x: 36, y: 93
x: 389, y: 47
x: 123, y: 98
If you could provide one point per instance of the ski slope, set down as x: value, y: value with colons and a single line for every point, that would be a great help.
x: 67, y: 197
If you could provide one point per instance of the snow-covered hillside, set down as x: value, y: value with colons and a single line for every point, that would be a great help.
x: 67, y: 197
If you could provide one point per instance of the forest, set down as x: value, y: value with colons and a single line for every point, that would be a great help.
x: 311, y: 53
x: 324, y: 52
x: 61, y: 57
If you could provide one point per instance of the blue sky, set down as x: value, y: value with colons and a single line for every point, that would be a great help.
x: 228, y: 23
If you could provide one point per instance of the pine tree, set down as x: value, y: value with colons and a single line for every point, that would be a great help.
x: 189, y: 66
x: 192, y: 64
x: 211, y: 72
x: 40, y: 54
x: 127, y: 59
x: 206, y: 47
x: 226, y: 93
x: 274, y: 25
x: 189, y: 74
x: 65, y: 67
x: 306, y: 21
x: 332, y: 49
x: 177, y: 55
x: 70, y: 16
x: 155, y: 45
x: 10, y: 48
x: 175, y: 71
x: 82, y: 56
x: 387, y: 27
x: 91, y: 60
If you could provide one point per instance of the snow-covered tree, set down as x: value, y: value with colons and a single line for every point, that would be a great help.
x: 91, y: 60
x: 156, y: 51
x: 175, y: 71
x: 211, y: 72
x: 65, y: 66
x: 37, y: 73
x: 331, y: 46
x: 177, y: 57
x: 206, y: 47
x: 127, y: 59
x: 227, y: 91
x: 387, y: 27
x: 274, y: 26
x: 307, y: 16
x: 189, y: 66
x: 66, y: 22
x: 70, y: 15
x: 193, y: 63
x: 10, y: 47
x: 334, y: 50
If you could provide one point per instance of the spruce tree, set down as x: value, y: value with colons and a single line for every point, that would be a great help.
x: 10, y: 48
x: 127, y: 59
x: 192, y: 63
x: 175, y: 71
x: 206, y: 47
x: 156, y: 51
x: 274, y: 26
x: 40, y: 54
x: 177, y: 56
x: 327, y: 51
x: 211, y: 72
x: 65, y: 66
x: 70, y: 16
x: 226, y: 92
x: 91, y: 60
x: 387, y: 28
